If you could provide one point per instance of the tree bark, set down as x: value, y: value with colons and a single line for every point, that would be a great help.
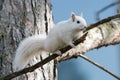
x: 20, y: 19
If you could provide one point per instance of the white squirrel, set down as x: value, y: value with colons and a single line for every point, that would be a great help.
x: 63, y: 34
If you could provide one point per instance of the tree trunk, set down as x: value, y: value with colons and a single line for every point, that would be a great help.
x: 20, y: 19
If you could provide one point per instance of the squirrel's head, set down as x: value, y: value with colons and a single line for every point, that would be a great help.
x: 78, y: 21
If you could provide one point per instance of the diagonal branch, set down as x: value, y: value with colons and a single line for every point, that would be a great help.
x: 103, y: 21
x: 102, y: 35
x: 99, y: 66
x: 82, y: 39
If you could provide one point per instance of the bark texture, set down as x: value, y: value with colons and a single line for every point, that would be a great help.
x: 20, y: 19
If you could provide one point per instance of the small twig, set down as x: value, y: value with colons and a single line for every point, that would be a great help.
x: 105, y: 8
x: 99, y: 66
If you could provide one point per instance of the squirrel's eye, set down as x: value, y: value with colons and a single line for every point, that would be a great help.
x: 78, y: 21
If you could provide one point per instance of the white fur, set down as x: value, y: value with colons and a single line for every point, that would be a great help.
x: 28, y: 48
x: 61, y: 35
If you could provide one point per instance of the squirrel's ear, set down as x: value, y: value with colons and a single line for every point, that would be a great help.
x: 81, y: 14
x: 73, y: 16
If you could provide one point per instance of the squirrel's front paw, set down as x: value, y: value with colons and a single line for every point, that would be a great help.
x: 58, y: 52
x: 72, y: 45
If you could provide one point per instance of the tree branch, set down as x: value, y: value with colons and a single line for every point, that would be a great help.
x: 102, y: 21
x: 99, y: 35
x: 99, y: 66
x: 103, y: 35
x: 32, y: 68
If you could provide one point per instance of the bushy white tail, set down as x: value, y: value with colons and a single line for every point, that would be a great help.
x: 28, y: 48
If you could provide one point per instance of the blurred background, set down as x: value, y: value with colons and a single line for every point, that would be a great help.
x: 109, y: 57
